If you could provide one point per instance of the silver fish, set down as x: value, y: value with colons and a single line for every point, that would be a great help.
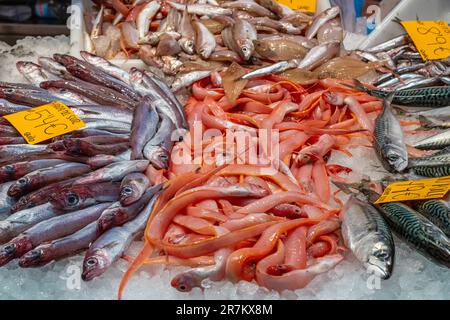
x: 368, y: 236
x: 106, y: 66
x: 157, y: 150
x: 145, y: 16
x: 185, y: 80
x: 187, y: 41
x: 32, y: 72
x: 249, y: 6
x: 321, y: 19
x: 390, y: 44
x: 319, y: 54
x: 201, y: 9
x: 419, y: 83
x: 205, y: 43
x: 437, y: 141
x: 389, y: 140
x: 244, y: 33
x: 97, y: 27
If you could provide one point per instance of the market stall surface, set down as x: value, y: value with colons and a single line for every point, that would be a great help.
x: 414, y: 276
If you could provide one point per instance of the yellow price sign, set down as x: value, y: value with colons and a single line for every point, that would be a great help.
x: 301, y: 5
x: 433, y: 188
x: 45, y: 122
x: 431, y: 38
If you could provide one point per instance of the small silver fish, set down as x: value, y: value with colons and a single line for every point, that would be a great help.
x: 321, y: 19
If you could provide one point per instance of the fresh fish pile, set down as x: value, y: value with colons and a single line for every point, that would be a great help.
x: 191, y: 40
x: 93, y: 188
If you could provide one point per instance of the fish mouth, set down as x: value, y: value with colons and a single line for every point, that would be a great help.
x: 379, y: 267
x: 31, y: 258
x: 7, y: 253
x: 94, y: 266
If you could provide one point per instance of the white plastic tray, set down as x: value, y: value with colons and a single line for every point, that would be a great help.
x: 407, y: 10
x: 79, y: 39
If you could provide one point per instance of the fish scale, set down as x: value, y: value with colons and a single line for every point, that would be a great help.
x: 418, y: 231
x: 438, y: 212
x: 434, y: 166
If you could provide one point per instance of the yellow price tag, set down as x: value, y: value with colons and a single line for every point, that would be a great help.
x: 301, y: 5
x: 45, y: 122
x: 431, y: 38
x: 433, y: 188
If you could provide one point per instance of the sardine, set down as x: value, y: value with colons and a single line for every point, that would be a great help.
x: 388, y: 140
x: 368, y: 236
x: 48, y: 230
x: 112, y: 244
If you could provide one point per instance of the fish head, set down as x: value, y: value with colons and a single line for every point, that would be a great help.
x: 246, y: 48
x: 128, y: 194
x: 19, y: 187
x: 106, y: 221
x: 95, y: 265
x: 184, y: 282
x: 187, y: 45
x: 334, y: 98
x: 381, y: 261
x: 397, y: 158
x: 35, y: 258
x: 72, y: 198
x: 160, y: 158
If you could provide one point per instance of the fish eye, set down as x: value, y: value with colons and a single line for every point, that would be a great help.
x: 127, y: 191
x: 244, y: 49
x: 22, y: 181
x: 164, y: 157
x: 91, y: 262
x: 393, y: 157
x: 72, y: 199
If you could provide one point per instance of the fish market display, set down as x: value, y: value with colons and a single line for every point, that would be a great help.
x: 92, y: 188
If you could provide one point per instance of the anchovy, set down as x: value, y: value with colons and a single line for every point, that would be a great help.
x: 48, y: 230
x: 417, y: 231
x: 117, y: 215
x: 42, y: 177
x: 388, y: 140
x: 112, y: 244
x: 368, y: 236
x: 423, y: 97
x: 390, y: 44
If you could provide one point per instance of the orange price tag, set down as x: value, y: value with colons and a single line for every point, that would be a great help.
x: 433, y: 188
x: 301, y: 5
x: 45, y: 122
x: 431, y: 38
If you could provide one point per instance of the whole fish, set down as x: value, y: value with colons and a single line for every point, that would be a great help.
x: 24, y: 219
x: 112, y: 244
x: 19, y: 169
x: 187, y: 41
x: 390, y: 44
x: 32, y: 72
x: 157, y: 150
x: 400, y: 79
x: 145, y: 16
x: 320, y: 20
x: 205, y: 43
x: 388, y: 140
x: 277, y: 67
x: 60, y: 248
x: 417, y: 231
x: 244, y: 33
x: 55, y: 68
x: 144, y: 126
x: 12, y: 140
x: 275, y: 7
x: 77, y: 197
x: 201, y: 9
x: 6, y: 201
x: 249, y: 6
x: 318, y: 55
x: 423, y: 97
x: 185, y: 80
x: 48, y: 230
x: 437, y: 211
x: 103, y: 113
x: 113, y: 172
x: 400, y: 70
x: 368, y: 236
x: 106, y: 66
x: 31, y: 97
x: 97, y: 25
x: 419, y: 83
x: 117, y: 215
x: 280, y: 49
x: 42, y: 177
x: 437, y: 141
x: 133, y: 187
